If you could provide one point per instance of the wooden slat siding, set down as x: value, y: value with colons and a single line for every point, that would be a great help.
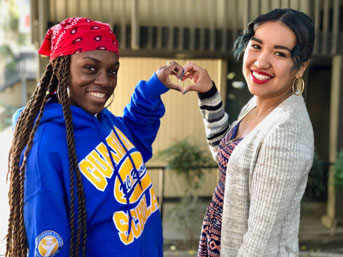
x: 110, y: 11
x: 122, y: 6
x: 134, y: 25
x: 253, y: 10
x: 294, y: 4
x: 265, y: 6
x: 89, y: 9
x: 211, y: 12
x: 43, y: 12
x: 65, y: 8
x: 207, y: 16
x: 159, y: 29
x: 245, y: 14
x: 285, y: 4
x: 53, y: 10
x: 224, y: 10
x: 316, y: 26
x: 173, y: 13
x: 335, y: 27
x: 235, y: 30
x: 189, y: 6
x: 325, y: 27
x: 150, y: 28
x: 78, y: 8
x: 180, y: 23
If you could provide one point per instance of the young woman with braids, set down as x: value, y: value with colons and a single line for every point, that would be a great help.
x: 78, y: 181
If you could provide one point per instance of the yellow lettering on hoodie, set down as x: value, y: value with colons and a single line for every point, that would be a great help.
x: 133, y: 189
x: 121, y: 221
x: 101, y: 148
x: 92, y: 174
x: 100, y: 164
x: 140, y: 214
x: 118, y: 150
x: 124, y: 139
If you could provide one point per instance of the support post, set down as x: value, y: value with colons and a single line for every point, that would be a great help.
x: 334, y: 216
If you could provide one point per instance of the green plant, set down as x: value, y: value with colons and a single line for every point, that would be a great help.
x: 316, y: 189
x: 338, y: 169
x: 189, y: 161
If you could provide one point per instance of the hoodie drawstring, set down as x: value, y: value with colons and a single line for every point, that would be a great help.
x: 121, y: 181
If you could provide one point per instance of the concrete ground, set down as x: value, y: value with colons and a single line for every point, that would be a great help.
x: 315, y: 239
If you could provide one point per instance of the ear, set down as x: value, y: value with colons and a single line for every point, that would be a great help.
x: 302, y: 69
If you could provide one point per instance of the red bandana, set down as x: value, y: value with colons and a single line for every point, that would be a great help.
x: 76, y: 35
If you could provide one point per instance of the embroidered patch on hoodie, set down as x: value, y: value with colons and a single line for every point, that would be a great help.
x: 48, y: 243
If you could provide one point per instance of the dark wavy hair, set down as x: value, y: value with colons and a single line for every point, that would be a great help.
x: 300, y: 23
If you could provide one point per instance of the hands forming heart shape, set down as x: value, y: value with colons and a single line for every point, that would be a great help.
x: 202, y: 82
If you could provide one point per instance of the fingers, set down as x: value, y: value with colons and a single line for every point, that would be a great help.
x: 176, y: 69
x: 176, y: 87
x: 202, y: 82
x: 172, y: 68
x: 201, y: 79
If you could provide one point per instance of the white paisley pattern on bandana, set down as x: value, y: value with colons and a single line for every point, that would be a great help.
x: 48, y: 243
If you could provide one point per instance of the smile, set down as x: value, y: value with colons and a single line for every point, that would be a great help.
x: 97, y: 94
x: 260, y: 78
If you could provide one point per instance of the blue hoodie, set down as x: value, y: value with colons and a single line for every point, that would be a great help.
x: 115, y: 197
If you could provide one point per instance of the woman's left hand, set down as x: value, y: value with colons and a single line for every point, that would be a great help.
x: 174, y: 69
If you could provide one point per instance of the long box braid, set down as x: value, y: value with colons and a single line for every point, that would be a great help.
x: 55, y: 78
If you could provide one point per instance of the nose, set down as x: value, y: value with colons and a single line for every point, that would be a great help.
x: 102, y: 79
x: 262, y: 61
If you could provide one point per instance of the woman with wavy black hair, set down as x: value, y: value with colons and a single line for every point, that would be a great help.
x: 265, y: 155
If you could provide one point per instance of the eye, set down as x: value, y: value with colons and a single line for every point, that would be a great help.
x: 281, y: 54
x: 255, y: 46
x: 90, y: 67
x: 113, y: 72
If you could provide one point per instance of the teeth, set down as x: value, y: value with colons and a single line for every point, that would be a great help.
x: 260, y: 76
x: 97, y: 94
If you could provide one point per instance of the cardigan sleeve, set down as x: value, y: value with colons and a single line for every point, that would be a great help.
x: 277, y: 184
x: 216, y: 120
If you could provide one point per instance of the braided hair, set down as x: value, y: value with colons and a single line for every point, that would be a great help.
x: 56, y: 77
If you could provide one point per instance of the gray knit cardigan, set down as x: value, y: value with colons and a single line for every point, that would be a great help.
x: 266, y: 177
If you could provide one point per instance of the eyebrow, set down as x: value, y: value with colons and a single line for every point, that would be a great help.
x: 96, y: 60
x: 275, y: 46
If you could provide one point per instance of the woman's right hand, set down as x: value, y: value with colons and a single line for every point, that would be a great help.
x: 201, y: 79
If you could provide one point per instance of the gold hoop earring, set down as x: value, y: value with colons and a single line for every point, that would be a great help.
x: 295, y: 86
x: 110, y: 102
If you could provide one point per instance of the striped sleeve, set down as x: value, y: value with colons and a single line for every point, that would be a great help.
x: 215, y: 119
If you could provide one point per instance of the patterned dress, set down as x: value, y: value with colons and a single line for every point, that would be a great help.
x: 209, y: 244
